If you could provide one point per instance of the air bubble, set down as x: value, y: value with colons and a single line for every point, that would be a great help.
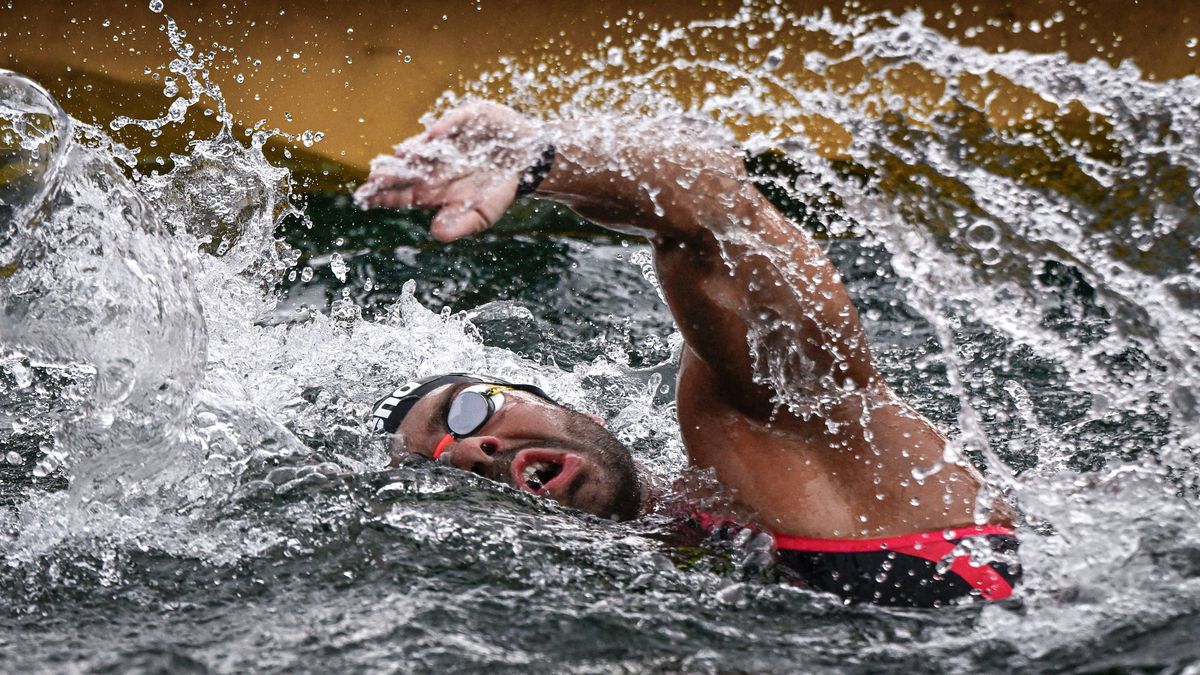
x: 982, y: 234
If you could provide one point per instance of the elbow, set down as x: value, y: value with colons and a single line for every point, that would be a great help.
x: 713, y: 191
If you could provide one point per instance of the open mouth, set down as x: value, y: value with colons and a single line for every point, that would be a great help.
x: 543, y: 472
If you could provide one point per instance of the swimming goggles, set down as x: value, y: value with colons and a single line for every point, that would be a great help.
x: 469, y: 411
x: 390, y: 411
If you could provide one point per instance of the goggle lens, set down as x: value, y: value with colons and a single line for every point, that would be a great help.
x: 468, y: 412
x: 473, y: 407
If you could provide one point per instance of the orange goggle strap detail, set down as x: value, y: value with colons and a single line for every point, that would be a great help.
x: 441, y: 446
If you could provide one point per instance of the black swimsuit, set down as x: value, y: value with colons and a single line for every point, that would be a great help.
x: 926, y: 569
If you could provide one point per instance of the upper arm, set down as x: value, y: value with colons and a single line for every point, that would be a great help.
x: 759, y: 302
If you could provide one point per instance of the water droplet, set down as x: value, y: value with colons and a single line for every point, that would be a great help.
x: 921, y: 473
x: 615, y: 57
x: 774, y: 59
x: 306, y: 274
x: 14, y: 458
x: 156, y: 6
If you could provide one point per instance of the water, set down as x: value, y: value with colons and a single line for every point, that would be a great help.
x: 188, y: 483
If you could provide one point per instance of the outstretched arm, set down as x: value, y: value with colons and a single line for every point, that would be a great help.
x: 692, y: 198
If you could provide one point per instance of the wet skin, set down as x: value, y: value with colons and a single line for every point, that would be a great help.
x: 524, y: 445
x: 854, y: 462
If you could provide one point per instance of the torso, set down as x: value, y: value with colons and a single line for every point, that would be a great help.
x: 801, y: 479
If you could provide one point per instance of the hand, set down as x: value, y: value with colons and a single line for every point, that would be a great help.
x: 466, y: 167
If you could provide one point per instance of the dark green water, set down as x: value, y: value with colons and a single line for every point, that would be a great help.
x: 189, y: 486
x: 424, y: 568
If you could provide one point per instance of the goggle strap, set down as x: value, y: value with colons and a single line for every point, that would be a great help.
x: 441, y: 446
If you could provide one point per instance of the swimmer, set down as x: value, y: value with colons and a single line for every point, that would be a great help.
x: 840, y: 485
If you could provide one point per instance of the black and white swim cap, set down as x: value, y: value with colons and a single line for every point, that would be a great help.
x: 390, y: 410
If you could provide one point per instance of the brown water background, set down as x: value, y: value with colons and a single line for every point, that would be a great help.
x: 363, y: 73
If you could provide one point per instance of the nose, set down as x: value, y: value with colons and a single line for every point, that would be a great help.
x: 473, y: 454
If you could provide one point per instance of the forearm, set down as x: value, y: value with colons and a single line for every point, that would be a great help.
x: 631, y: 176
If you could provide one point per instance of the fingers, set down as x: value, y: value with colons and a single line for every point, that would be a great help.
x: 391, y: 192
x: 462, y: 166
x: 448, y: 123
x: 474, y: 113
x: 465, y: 208
x: 463, y: 218
x: 392, y: 199
x: 404, y: 180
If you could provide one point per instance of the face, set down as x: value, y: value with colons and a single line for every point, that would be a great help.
x: 533, y: 445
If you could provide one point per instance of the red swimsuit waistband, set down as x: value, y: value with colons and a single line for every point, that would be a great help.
x: 935, y: 546
x: 899, y: 542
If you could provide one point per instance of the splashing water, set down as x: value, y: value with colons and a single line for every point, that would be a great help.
x: 1040, y: 215
x: 94, y: 288
x: 1019, y: 231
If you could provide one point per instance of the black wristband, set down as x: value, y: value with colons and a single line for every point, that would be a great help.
x: 532, y: 177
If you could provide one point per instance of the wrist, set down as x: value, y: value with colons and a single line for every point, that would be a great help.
x: 533, y: 175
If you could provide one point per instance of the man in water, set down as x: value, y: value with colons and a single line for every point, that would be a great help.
x: 838, y: 473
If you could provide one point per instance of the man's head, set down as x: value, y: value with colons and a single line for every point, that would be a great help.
x: 523, y: 439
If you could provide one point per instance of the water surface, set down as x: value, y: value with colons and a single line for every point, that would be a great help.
x: 189, y: 356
